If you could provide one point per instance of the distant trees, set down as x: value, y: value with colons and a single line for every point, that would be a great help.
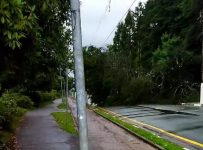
x: 155, y: 56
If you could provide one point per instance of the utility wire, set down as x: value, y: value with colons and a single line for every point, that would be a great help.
x: 118, y: 22
x: 109, y: 5
x: 107, y: 9
x: 99, y: 24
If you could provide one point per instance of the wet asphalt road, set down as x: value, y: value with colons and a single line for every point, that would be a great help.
x: 181, y: 120
x: 39, y: 131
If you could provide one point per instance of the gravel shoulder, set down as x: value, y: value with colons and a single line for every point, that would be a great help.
x: 104, y: 135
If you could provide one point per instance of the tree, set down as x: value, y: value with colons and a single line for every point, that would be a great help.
x: 35, y: 43
x: 158, y: 45
x: 94, y: 60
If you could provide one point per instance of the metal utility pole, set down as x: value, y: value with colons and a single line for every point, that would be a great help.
x: 79, y: 74
x: 67, y: 83
x: 61, y: 85
x: 201, y: 90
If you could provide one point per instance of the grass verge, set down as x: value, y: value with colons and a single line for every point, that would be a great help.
x: 143, y: 134
x: 65, y: 121
x: 62, y: 106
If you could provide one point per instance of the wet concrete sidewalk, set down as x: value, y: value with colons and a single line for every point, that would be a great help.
x: 39, y: 131
x: 104, y: 135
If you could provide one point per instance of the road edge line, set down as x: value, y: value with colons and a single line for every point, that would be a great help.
x: 134, y: 134
x: 158, y: 129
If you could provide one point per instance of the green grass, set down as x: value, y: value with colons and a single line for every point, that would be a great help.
x: 65, y: 121
x: 18, y: 118
x: 62, y: 106
x: 146, y: 135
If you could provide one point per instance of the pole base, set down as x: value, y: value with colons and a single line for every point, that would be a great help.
x: 201, y: 95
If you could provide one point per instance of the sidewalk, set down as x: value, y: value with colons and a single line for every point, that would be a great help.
x: 104, y: 135
x: 39, y: 131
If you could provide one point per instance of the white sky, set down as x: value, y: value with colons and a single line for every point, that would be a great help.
x: 96, y: 24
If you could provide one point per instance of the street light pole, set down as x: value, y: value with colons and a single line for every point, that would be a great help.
x: 79, y: 74
x: 201, y: 90
x: 67, y: 94
x: 61, y: 84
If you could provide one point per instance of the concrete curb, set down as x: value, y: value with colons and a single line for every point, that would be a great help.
x: 71, y: 112
x: 140, y: 137
x: 183, y: 112
x: 161, y: 131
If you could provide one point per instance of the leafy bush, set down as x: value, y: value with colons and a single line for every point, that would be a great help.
x: 138, y: 90
x: 24, y: 102
x: 17, y: 89
x: 39, y: 97
x: 11, y: 105
x: 20, y: 100
x: 49, y: 96
x: 35, y: 96
x: 8, y: 109
x: 192, y: 97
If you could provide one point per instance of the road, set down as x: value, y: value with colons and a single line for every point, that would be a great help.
x: 185, y: 121
x: 104, y: 135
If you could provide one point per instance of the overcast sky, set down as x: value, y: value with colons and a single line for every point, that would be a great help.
x: 98, y: 21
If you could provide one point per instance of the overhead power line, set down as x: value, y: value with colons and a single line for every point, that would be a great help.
x: 109, y: 5
x: 118, y: 23
x: 107, y: 9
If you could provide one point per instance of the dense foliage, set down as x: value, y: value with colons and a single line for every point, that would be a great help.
x: 34, y: 53
x: 11, y: 106
x: 155, y: 56
x: 34, y: 43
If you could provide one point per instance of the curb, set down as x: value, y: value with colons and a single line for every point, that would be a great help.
x: 140, y: 137
x: 178, y: 112
x: 74, y: 119
x: 158, y: 130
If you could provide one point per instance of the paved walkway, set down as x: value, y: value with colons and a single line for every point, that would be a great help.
x: 40, y: 132
x: 104, y: 135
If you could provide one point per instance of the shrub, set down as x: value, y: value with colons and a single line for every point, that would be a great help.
x: 11, y: 105
x: 35, y: 96
x: 138, y: 90
x: 21, y: 100
x: 39, y: 97
x: 49, y: 96
x: 193, y: 96
x: 24, y: 102
x: 17, y: 89
x: 8, y: 109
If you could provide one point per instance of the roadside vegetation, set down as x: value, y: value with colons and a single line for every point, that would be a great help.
x: 63, y: 105
x: 143, y: 134
x: 34, y: 54
x: 64, y: 119
x: 13, y: 106
x: 155, y: 56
